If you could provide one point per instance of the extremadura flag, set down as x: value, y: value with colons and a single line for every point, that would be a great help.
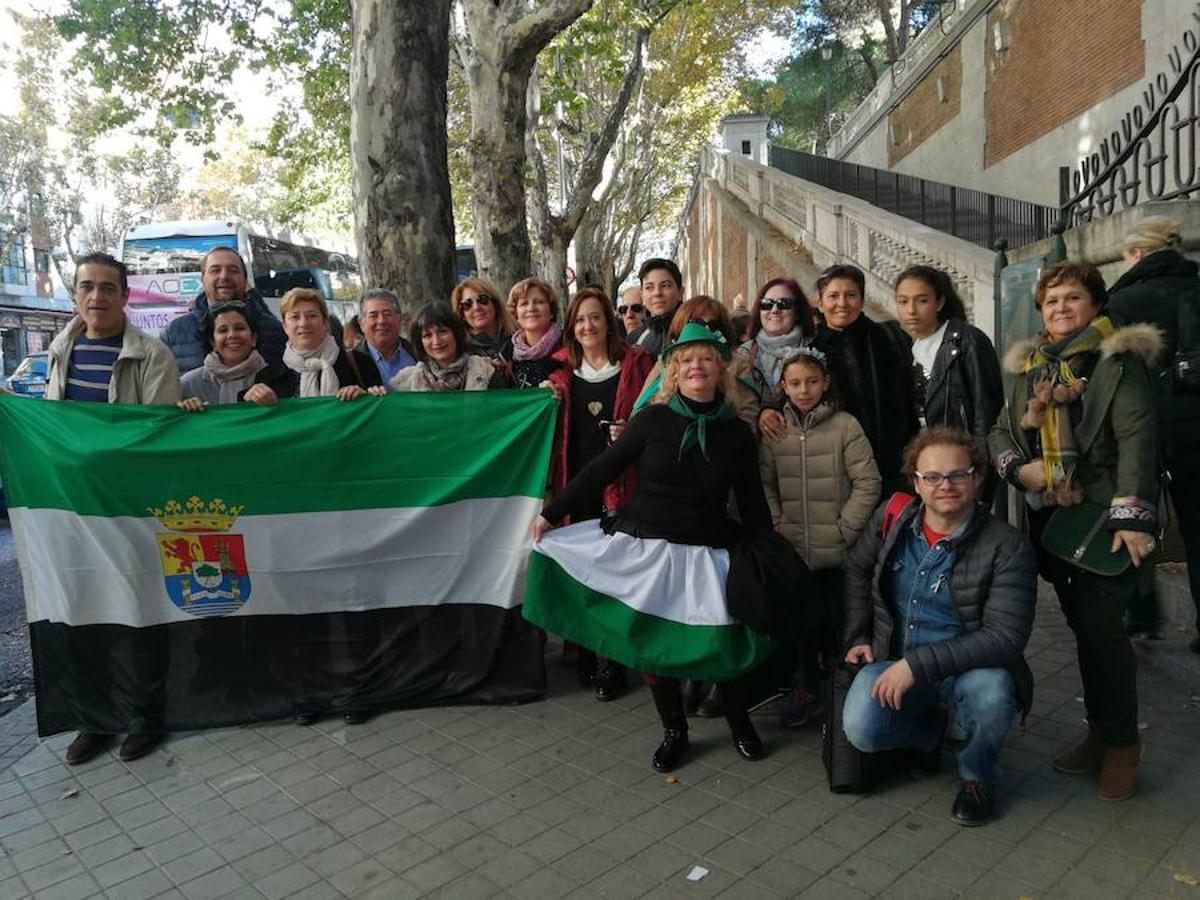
x: 246, y: 563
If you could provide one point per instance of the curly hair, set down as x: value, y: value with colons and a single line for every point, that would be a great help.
x: 935, y: 435
x: 670, y: 379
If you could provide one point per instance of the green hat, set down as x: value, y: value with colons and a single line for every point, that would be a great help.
x: 695, y: 333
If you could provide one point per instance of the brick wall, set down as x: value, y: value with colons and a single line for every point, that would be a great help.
x: 921, y: 113
x: 768, y: 267
x: 1062, y: 58
x: 710, y: 241
x: 692, y: 276
x: 733, y: 260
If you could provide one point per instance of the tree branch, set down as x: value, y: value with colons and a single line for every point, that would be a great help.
x: 528, y: 35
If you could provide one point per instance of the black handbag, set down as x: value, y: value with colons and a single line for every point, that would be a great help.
x: 851, y: 771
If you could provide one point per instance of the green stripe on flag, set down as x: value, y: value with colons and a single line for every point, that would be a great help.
x: 402, y: 450
x: 561, y: 605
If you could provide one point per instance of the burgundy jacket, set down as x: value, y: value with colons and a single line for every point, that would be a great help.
x: 635, y: 366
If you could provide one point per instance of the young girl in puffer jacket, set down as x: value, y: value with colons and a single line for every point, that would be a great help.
x: 822, y: 485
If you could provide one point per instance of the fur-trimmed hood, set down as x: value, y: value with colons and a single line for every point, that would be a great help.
x: 1140, y: 339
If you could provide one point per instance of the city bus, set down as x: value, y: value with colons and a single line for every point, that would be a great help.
x: 164, y: 267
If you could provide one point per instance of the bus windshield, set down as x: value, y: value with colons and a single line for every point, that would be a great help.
x: 174, y: 253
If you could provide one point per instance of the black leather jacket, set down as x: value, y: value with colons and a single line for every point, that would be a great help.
x: 965, y: 389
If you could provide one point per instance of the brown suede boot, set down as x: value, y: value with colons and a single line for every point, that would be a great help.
x: 1082, y: 758
x: 1118, y: 777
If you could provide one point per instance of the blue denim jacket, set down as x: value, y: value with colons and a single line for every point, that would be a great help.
x: 919, y: 590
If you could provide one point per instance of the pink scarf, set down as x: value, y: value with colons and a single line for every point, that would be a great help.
x: 544, y: 347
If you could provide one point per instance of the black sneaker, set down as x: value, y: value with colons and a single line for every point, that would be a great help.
x: 974, y: 805
x: 671, y: 751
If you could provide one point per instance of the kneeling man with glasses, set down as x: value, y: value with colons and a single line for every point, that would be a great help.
x: 939, y: 602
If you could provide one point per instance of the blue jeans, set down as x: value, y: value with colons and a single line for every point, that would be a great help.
x: 983, y: 703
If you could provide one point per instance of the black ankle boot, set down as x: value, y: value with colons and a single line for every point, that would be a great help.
x: 609, y: 683
x: 668, y: 700
x: 746, y: 741
x: 670, y: 752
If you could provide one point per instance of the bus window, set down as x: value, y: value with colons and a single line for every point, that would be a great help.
x: 279, y: 266
x: 464, y: 263
x: 176, y: 253
x: 339, y: 272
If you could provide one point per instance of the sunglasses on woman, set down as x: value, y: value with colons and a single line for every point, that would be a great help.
x: 783, y: 304
x: 468, y: 302
x: 711, y: 324
x: 632, y: 307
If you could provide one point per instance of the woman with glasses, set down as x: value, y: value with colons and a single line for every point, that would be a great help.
x: 596, y: 386
x: 961, y: 383
x: 1078, y: 436
x: 533, y: 304
x: 444, y: 362
x: 488, y: 323
x: 780, y: 321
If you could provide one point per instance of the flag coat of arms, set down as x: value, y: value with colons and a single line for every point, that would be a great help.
x: 187, y: 570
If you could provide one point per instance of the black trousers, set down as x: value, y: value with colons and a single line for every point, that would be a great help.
x: 1095, y: 606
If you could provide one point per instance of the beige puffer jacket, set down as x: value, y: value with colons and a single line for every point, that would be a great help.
x: 821, y: 482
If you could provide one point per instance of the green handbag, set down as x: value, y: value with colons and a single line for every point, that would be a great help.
x: 1077, y: 535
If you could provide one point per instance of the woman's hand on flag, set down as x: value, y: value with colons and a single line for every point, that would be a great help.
x: 540, y: 526
x: 192, y: 404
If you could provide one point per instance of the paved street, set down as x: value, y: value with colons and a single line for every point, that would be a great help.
x: 16, y: 670
x: 557, y: 798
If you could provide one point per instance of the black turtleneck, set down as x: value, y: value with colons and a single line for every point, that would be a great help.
x: 682, y: 500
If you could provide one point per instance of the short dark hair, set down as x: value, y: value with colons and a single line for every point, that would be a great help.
x: 222, y: 248
x: 1085, y: 273
x: 437, y: 313
x: 614, y: 345
x: 843, y: 270
x: 102, y: 259
x: 802, y: 308
x: 944, y: 434
x: 666, y: 265
x: 208, y: 325
x: 943, y: 289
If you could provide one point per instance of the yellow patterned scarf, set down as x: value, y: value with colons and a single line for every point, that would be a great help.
x: 1057, y: 373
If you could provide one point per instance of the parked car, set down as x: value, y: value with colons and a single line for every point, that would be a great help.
x: 29, y: 379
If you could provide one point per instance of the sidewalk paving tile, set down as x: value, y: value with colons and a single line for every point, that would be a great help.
x: 556, y: 799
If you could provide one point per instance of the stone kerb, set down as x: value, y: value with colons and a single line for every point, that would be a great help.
x: 836, y: 227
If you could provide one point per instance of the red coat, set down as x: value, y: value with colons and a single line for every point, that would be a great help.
x: 635, y: 366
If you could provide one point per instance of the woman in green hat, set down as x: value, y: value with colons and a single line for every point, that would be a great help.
x: 647, y: 587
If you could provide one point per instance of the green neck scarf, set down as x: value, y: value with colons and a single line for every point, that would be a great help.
x: 696, y: 433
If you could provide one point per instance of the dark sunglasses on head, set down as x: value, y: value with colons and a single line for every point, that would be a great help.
x: 711, y: 324
x: 468, y: 302
x: 632, y: 307
x: 783, y: 304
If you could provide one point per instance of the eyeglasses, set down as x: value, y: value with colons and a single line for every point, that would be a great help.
x: 468, y: 302
x: 632, y: 307
x: 783, y: 304
x: 711, y: 324
x: 958, y: 476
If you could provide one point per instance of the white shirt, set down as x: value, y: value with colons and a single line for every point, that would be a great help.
x: 925, y: 349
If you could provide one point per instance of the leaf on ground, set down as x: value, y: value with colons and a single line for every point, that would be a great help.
x: 1185, y: 878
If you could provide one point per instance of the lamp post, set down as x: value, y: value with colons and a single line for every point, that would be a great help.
x: 827, y: 59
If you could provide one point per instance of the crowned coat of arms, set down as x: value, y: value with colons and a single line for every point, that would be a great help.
x: 203, y: 564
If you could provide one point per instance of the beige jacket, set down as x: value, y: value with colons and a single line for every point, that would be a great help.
x: 145, y: 370
x: 821, y: 483
x: 480, y: 372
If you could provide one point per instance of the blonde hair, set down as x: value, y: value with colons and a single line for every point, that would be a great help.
x: 523, y: 287
x: 670, y: 380
x: 302, y: 295
x: 504, y: 322
x: 1153, y: 233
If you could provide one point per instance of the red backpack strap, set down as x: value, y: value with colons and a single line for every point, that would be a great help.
x: 896, y: 505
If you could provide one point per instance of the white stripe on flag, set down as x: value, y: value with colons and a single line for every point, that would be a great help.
x: 679, y: 582
x: 91, y: 570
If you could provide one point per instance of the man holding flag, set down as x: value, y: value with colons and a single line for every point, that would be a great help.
x: 100, y: 357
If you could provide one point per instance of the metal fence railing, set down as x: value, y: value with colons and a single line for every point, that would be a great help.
x: 972, y: 215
